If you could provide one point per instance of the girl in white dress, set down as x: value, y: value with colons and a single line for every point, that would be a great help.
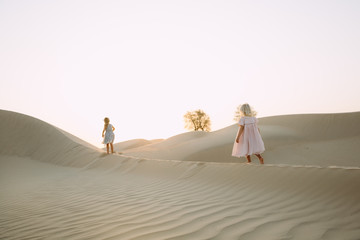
x: 248, y: 140
x: 108, y: 135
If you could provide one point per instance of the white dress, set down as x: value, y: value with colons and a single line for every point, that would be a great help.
x: 109, y: 135
x: 250, y: 141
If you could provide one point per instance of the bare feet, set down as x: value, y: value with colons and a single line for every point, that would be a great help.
x: 248, y: 159
x: 261, y: 159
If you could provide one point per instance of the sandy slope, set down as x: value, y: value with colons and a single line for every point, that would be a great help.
x: 134, y: 143
x: 25, y: 136
x: 53, y: 186
x: 314, y: 139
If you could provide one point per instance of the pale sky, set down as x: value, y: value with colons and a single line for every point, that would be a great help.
x: 144, y: 63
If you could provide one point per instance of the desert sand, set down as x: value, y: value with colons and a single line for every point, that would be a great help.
x: 54, y: 185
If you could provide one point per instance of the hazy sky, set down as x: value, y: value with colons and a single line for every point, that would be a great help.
x: 145, y: 63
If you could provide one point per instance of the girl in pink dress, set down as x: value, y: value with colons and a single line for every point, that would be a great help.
x: 248, y: 140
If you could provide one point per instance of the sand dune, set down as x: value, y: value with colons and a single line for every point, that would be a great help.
x: 55, y: 186
x: 314, y: 139
x: 134, y: 143
x: 25, y: 136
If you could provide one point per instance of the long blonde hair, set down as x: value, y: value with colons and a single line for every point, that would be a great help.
x: 107, y: 121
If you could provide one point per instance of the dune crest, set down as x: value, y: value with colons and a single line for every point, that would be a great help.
x: 25, y: 136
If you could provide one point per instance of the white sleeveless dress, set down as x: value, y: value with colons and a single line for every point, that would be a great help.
x: 109, y: 135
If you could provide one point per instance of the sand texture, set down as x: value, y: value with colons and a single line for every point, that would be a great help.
x: 53, y: 185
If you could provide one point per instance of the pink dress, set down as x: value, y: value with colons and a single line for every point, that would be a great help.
x: 250, y: 141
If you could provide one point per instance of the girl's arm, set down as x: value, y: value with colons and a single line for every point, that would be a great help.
x: 103, y: 132
x: 239, y: 133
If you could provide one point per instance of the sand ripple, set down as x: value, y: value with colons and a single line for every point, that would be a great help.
x: 195, y: 201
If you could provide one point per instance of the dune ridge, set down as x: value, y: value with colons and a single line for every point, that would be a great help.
x: 306, y: 139
x: 25, y: 136
x: 54, y: 187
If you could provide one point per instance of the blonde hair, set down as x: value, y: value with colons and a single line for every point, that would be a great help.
x: 107, y: 121
x: 246, y: 110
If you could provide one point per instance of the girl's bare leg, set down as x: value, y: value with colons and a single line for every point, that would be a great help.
x: 248, y: 158
x: 107, y: 148
x: 261, y: 159
x: 112, y: 148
